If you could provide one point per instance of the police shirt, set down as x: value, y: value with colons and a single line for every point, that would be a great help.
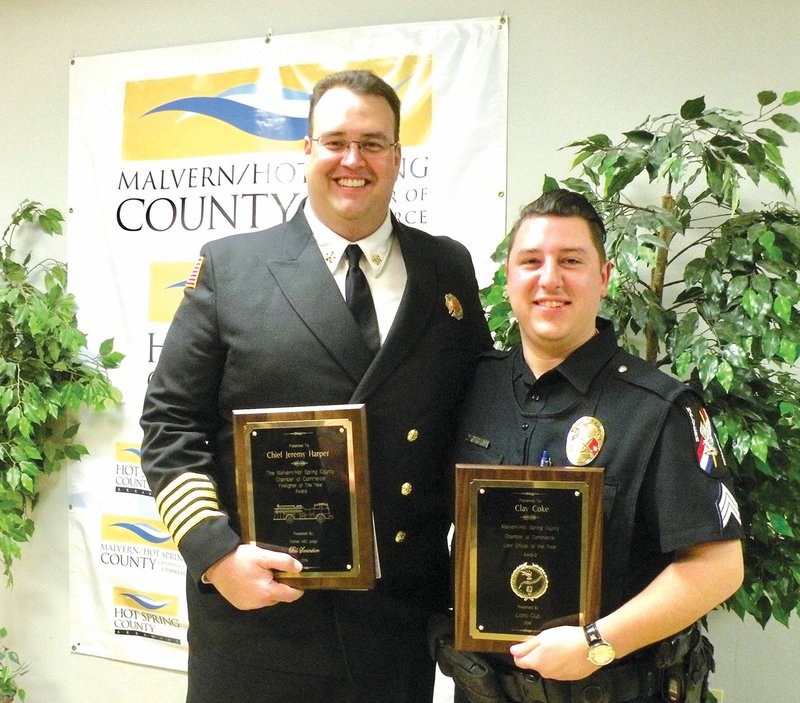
x: 666, y: 484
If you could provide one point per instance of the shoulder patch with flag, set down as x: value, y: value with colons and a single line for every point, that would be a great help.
x: 191, y: 282
x: 709, y: 453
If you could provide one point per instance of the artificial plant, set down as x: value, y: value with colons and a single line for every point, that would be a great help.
x: 46, y: 374
x: 10, y: 669
x: 708, y: 289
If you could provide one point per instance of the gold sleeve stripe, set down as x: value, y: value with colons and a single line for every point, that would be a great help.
x: 180, y: 532
x: 186, y: 501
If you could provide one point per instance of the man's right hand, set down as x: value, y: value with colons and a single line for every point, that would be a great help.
x: 245, y: 577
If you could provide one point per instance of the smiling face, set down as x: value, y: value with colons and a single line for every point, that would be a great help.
x: 350, y: 192
x: 556, y: 280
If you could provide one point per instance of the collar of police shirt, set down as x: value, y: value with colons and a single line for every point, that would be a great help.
x: 382, y: 264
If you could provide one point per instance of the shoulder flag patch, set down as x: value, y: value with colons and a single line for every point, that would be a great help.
x: 709, y: 454
x: 191, y: 282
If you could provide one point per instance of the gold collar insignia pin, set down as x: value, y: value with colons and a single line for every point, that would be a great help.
x: 453, y: 306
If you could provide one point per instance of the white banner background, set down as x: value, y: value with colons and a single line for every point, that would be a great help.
x: 146, y: 190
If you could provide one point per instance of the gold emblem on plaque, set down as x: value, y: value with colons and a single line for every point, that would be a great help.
x: 529, y: 581
x: 585, y: 440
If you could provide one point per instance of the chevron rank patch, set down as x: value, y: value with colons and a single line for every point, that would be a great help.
x: 727, y: 506
x: 709, y: 454
x: 191, y: 282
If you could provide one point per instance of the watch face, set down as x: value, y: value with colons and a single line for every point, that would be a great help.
x: 601, y: 654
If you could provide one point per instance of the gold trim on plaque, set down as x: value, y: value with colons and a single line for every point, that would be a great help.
x: 309, y: 508
x: 531, y: 581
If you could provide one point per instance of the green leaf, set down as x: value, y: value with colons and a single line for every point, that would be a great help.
x: 791, y: 98
x: 786, y: 122
x: 717, y: 121
x: 780, y: 525
x: 783, y: 308
x: 725, y: 375
x: 640, y: 136
x: 692, y: 109
x: 787, y: 350
x: 600, y: 140
x: 770, y: 136
x: 550, y: 184
x: 765, y: 97
x: 708, y: 369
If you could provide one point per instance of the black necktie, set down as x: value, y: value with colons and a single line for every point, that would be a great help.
x: 359, y: 299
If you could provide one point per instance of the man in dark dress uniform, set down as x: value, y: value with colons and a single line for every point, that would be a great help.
x: 264, y: 324
x: 672, y: 529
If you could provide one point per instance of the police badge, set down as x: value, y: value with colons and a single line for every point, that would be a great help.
x: 585, y: 440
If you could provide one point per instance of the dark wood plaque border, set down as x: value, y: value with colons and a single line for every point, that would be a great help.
x: 363, y: 572
x: 469, y: 479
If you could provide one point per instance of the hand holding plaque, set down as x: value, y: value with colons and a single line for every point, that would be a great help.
x: 528, y: 552
x: 302, y: 484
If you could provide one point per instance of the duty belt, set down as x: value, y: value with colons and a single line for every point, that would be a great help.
x: 673, y: 670
x: 617, y: 684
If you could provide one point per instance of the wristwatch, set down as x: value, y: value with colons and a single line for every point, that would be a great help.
x: 600, y: 651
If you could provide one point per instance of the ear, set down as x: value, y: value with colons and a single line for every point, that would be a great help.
x: 605, y: 275
x: 307, y: 144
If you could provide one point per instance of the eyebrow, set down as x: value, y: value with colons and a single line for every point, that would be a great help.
x: 565, y: 250
x: 343, y: 133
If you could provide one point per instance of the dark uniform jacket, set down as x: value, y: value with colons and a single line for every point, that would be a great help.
x: 266, y: 326
x: 666, y: 482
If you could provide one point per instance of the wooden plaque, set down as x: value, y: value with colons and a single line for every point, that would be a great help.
x: 302, y: 483
x: 528, y: 552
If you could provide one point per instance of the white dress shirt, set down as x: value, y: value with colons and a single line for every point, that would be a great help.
x: 382, y: 265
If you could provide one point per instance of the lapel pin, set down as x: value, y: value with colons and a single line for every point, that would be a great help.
x: 453, y: 306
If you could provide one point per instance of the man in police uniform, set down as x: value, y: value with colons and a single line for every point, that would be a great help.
x: 672, y: 529
x: 264, y: 324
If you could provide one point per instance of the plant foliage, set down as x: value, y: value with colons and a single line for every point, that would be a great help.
x: 709, y: 291
x: 10, y: 669
x: 45, y: 375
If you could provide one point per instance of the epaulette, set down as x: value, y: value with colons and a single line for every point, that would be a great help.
x: 638, y: 372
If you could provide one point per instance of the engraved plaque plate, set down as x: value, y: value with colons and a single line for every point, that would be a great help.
x: 302, y: 483
x: 528, y: 551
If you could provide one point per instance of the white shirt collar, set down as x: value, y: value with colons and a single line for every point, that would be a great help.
x: 376, y: 246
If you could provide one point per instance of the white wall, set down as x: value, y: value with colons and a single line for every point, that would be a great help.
x: 576, y: 68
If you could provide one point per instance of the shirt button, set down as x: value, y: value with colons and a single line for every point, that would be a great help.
x: 412, y: 435
x: 406, y: 489
x: 400, y: 537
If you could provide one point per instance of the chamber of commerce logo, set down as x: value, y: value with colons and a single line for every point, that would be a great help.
x: 167, y: 281
x: 153, y: 602
x: 254, y: 109
x: 136, y: 530
x: 127, y: 453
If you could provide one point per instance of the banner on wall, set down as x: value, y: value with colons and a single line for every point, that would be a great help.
x: 171, y: 148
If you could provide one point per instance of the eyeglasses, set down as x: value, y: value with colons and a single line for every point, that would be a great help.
x: 373, y: 146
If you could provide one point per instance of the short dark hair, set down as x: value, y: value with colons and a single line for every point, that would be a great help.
x: 360, y: 82
x: 563, y: 203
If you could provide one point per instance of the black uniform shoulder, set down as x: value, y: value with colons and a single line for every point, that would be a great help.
x: 638, y: 372
x: 437, y: 245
